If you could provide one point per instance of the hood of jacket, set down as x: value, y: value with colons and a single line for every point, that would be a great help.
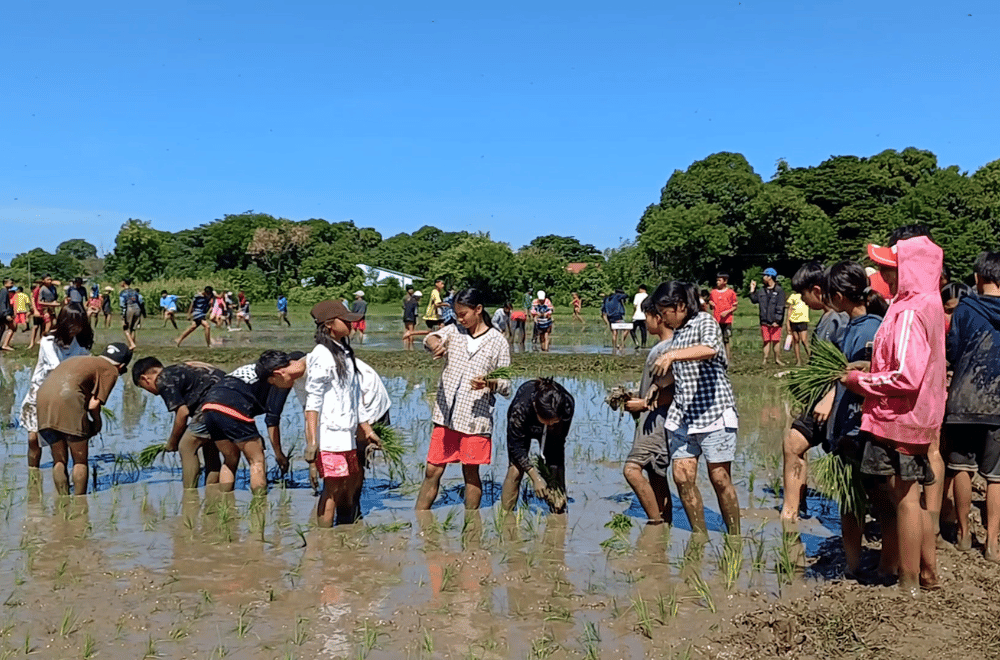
x: 988, y: 307
x: 920, y: 262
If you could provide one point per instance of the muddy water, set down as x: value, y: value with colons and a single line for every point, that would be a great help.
x: 140, y: 567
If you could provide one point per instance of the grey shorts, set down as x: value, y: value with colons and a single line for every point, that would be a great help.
x: 727, y: 332
x: 650, y: 448
x: 974, y: 448
x: 882, y: 460
x: 196, y: 426
x: 717, y: 446
x: 131, y: 318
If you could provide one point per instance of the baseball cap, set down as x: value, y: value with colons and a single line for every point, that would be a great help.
x: 329, y: 310
x: 417, y: 294
x: 541, y: 295
x: 770, y: 272
x: 883, y: 256
x: 359, y: 292
x: 118, y: 353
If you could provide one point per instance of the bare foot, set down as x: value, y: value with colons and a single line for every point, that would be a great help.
x: 992, y: 554
x: 929, y: 582
x: 964, y: 543
x: 779, y: 363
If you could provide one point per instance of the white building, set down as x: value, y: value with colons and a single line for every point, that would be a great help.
x: 374, y: 275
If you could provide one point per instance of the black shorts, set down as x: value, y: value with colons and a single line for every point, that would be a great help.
x: 973, y: 448
x: 221, y: 426
x: 881, y: 461
x: 519, y: 324
x: 433, y: 325
x: 199, y: 321
x: 38, y: 321
x: 727, y: 332
x: 799, y: 327
x: 811, y: 430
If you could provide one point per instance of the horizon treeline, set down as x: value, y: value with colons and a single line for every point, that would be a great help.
x: 718, y: 214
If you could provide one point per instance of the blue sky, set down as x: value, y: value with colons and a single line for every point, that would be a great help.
x: 520, y: 119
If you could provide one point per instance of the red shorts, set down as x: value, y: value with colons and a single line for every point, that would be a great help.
x: 450, y: 446
x: 770, y: 333
x: 21, y: 317
x: 337, y: 464
x: 358, y: 325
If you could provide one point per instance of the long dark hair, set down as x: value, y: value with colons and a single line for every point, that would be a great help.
x: 850, y: 280
x: 551, y: 401
x: 341, y: 350
x: 673, y: 293
x: 471, y: 298
x: 72, y: 323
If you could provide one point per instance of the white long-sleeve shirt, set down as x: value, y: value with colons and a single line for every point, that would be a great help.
x: 374, y: 397
x: 338, y: 401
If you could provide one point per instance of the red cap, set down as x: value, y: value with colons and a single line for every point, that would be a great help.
x: 883, y: 256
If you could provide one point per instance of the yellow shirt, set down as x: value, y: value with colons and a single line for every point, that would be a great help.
x: 21, y: 302
x: 432, y: 313
x: 798, y: 310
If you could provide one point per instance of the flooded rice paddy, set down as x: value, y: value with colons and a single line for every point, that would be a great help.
x: 140, y: 568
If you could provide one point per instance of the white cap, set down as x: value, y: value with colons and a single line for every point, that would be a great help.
x: 869, y: 271
x: 541, y: 295
x: 359, y: 293
x: 417, y: 294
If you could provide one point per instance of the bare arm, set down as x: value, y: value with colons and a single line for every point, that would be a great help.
x: 177, y: 430
x: 274, y: 435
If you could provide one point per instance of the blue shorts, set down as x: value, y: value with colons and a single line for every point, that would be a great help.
x: 717, y: 446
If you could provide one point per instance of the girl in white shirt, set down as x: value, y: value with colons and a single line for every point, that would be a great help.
x: 333, y: 414
x: 70, y: 336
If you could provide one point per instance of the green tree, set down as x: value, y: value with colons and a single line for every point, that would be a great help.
x: 481, y: 263
x: 567, y: 247
x: 138, y: 252
x: 686, y: 243
x: 77, y: 248
x: 39, y: 262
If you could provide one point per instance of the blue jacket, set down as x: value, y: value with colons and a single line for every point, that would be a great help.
x: 973, y: 350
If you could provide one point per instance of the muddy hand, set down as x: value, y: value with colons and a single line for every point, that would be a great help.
x: 314, y: 477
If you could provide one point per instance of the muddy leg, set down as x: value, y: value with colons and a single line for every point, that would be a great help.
x: 511, y: 488
x: 643, y: 491
x: 429, y: 489
x: 213, y: 462
x: 794, y: 449
x: 685, y: 478
x: 60, y: 459
x: 661, y: 490
x: 34, y: 450
x: 934, y: 494
x: 473, y: 486
x: 992, y: 520
x: 963, y: 506
x: 910, y: 523
x: 851, y: 530
x: 325, y: 507
x: 253, y: 450
x: 79, y: 450
x: 230, y: 463
x: 187, y: 447
x: 720, y: 476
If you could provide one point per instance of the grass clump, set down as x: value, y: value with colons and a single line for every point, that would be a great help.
x: 501, y: 373
x: 393, y: 450
x: 808, y: 384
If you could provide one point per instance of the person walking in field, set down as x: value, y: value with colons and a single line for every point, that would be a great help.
x: 639, y: 316
x: 466, y: 398
x: 723, y: 301
x: 128, y: 302
x: 359, y: 308
x: 282, y: 305
x: 577, y: 307
x: 797, y: 325
x: 198, y: 313
x: 168, y: 303
x: 771, y: 300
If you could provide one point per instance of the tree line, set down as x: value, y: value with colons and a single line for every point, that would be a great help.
x: 718, y: 214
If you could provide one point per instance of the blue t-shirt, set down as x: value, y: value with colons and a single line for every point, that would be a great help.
x: 282, y: 304
x: 169, y: 302
x: 857, y: 345
x: 199, y: 307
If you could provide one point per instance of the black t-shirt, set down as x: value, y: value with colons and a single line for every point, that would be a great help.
x: 184, y: 385
x: 245, y: 392
x: 410, y: 310
x: 523, y: 425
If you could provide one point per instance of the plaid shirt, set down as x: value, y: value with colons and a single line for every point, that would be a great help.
x: 702, y: 388
x: 457, y: 405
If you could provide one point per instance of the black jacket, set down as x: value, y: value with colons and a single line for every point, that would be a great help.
x: 772, y: 304
x: 973, y: 349
x: 523, y: 425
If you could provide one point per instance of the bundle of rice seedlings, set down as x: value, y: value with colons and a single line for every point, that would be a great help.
x: 146, y: 457
x: 392, y: 449
x: 808, y: 384
x: 501, y: 373
x: 617, y: 398
x: 109, y: 413
x: 555, y: 496
x: 840, y: 480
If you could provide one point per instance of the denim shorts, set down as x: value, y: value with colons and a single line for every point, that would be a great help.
x: 717, y: 446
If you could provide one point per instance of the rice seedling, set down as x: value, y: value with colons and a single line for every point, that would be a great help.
x: 617, y: 398
x: 151, y: 650
x: 785, y: 557
x: 703, y: 590
x: 645, y: 621
x: 426, y: 642
x: 148, y: 455
x: 502, y: 373
x: 448, y: 575
x: 69, y: 623
x: 301, y: 633
x: 543, y: 647
x: 369, y: 638
x: 668, y: 605
x: 808, y: 384
x: 840, y: 481
x: 619, y: 524
x: 730, y: 560
x: 243, y: 622
x: 589, y: 640
x: 555, y: 495
x: 393, y: 450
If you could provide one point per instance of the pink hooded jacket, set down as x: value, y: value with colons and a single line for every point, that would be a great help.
x: 905, y: 391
